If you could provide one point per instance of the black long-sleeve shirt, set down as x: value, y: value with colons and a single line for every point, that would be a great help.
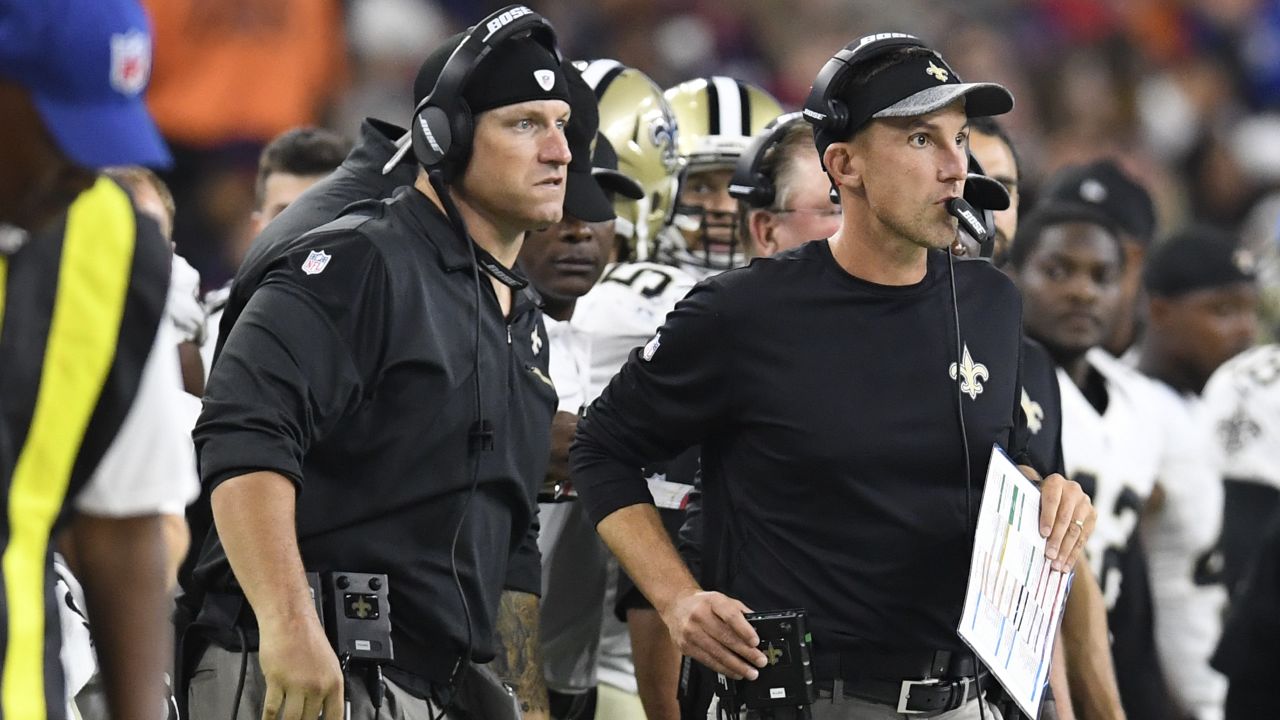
x: 827, y: 413
x: 350, y: 371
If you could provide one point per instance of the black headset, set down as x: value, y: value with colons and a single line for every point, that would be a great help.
x: 750, y: 183
x: 986, y: 216
x: 442, y: 125
x: 830, y: 115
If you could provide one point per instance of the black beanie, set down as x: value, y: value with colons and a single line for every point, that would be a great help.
x: 518, y: 70
x: 1196, y: 259
x: 1104, y: 185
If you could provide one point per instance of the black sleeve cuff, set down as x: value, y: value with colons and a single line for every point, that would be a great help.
x: 613, y: 486
x: 524, y: 568
x: 629, y: 598
x: 605, y: 484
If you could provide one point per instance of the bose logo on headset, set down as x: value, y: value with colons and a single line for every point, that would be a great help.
x: 963, y: 211
x: 884, y: 36
x: 431, y: 138
x: 505, y: 19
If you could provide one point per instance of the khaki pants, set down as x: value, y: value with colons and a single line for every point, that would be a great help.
x: 615, y: 704
x: 212, y: 693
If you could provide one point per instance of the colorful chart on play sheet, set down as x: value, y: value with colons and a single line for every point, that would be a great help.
x: 1014, y: 602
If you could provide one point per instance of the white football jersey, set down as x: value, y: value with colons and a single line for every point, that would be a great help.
x: 215, y: 302
x: 623, y: 311
x: 182, y: 306
x: 570, y: 363
x: 1115, y: 455
x: 1147, y: 436
x: 1180, y: 536
x: 573, y: 556
x: 1242, y: 412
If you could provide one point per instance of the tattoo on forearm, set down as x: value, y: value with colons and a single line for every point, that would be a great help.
x: 519, y: 660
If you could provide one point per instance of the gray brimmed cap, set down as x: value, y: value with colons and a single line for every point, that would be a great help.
x: 919, y: 85
x: 980, y: 100
x: 924, y: 83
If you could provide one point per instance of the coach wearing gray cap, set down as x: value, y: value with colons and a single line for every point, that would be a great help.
x: 845, y: 427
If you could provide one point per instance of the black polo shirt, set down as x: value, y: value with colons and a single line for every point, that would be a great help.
x: 350, y: 371
x: 828, y: 419
x: 359, y: 177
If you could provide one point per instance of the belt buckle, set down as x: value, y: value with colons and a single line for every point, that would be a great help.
x: 904, y: 695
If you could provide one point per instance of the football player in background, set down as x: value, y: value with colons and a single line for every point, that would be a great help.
x: 1202, y: 308
x: 717, y: 117
x: 1122, y: 433
x: 619, y: 314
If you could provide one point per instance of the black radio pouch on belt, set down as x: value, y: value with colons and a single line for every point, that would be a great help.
x: 355, y: 610
x: 787, y: 681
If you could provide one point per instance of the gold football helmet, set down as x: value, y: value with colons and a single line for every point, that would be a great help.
x: 717, y: 117
x: 642, y: 130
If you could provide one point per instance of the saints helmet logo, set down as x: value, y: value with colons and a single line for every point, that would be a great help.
x: 939, y: 73
x: 662, y: 133
x: 971, y: 374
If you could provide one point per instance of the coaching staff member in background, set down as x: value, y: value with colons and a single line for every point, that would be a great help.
x: 354, y: 401
x: 820, y: 351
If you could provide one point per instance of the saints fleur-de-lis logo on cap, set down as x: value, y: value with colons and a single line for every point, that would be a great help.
x: 971, y: 374
x: 939, y: 73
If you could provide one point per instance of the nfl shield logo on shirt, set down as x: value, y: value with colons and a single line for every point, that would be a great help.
x: 651, y: 348
x: 316, y: 262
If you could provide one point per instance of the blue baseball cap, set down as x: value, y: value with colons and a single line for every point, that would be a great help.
x: 85, y: 64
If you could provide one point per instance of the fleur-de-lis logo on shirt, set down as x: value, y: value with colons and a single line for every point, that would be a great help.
x: 971, y: 374
x: 1033, y: 411
x: 1238, y: 430
x: 535, y: 341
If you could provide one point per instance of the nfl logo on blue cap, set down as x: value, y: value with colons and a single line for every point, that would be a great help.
x: 85, y: 64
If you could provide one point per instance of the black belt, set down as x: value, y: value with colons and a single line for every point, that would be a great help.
x: 915, y: 664
x: 915, y: 682
x: 920, y: 697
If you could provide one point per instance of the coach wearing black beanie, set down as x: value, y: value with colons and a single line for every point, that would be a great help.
x: 379, y: 415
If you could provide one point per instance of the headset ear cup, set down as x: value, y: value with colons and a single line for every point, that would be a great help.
x: 463, y: 130
x: 432, y: 136
x: 838, y: 117
x: 762, y: 193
